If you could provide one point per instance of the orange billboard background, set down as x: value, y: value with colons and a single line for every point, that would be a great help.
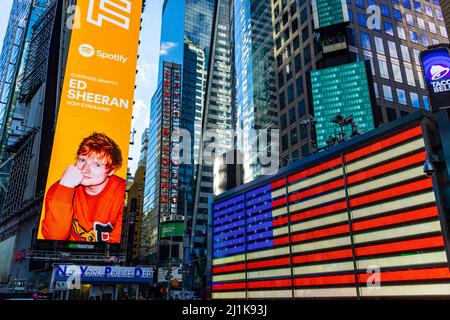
x: 98, y: 89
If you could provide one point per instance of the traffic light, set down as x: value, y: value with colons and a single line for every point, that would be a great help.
x: 169, y: 270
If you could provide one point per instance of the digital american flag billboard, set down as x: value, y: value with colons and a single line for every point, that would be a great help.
x: 322, y: 230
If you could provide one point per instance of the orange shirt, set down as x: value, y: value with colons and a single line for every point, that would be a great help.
x: 74, y: 215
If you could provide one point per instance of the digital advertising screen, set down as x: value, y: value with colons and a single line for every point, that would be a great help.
x: 85, y: 188
x: 436, y: 68
x: 329, y: 12
x: 342, y: 90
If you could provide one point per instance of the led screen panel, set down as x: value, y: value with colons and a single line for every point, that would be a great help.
x: 86, y: 181
x: 329, y: 12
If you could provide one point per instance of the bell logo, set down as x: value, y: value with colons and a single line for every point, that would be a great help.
x: 116, y: 12
x: 86, y: 50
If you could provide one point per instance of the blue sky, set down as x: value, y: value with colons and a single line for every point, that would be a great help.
x: 5, y: 9
x: 146, y: 80
x: 147, y: 76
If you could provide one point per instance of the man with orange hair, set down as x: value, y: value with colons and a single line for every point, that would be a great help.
x: 87, y: 203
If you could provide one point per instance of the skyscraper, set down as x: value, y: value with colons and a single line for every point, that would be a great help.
x: 391, y: 42
x: 177, y: 194
x: 255, y: 80
x: 23, y: 16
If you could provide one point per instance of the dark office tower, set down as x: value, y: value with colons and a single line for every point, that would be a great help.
x: 24, y: 14
x: 255, y: 80
x: 391, y: 41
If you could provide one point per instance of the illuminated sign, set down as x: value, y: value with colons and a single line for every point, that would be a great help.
x: 85, y: 190
x: 329, y: 12
x: 172, y: 229
x: 170, y: 149
x: 292, y: 237
x: 344, y: 90
x: 436, y: 67
x: 103, y: 273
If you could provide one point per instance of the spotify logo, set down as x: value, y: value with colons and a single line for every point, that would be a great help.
x: 86, y: 50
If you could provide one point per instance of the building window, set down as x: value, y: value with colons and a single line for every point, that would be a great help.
x: 407, y: 4
x: 398, y: 15
x: 410, y: 77
x: 375, y: 88
x: 384, y: 72
x: 300, y: 89
x: 405, y: 53
x: 295, y: 155
x: 305, y: 150
x: 379, y: 45
x: 294, y: 25
x: 385, y: 10
x: 413, y: 36
x: 360, y: 3
x: 401, y: 97
x: 303, y: 16
x: 282, y: 101
x: 280, y: 79
x: 307, y: 54
x: 365, y: 40
x: 421, y: 23
x: 298, y: 62
x: 393, y: 50
x: 292, y: 116
x: 417, y: 6
x: 387, y: 92
x: 305, y: 33
x: 425, y: 40
x: 389, y: 29
x: 301, y: 109
x: 432, y: 27
x: 391, y: 114
x: 401, y: 32
x: 290, y: 93
x: 283, y: 121
x: 415, y: 100
x: 285, y: 142
x: 350, y: 16
x: 294, y: 138
x: 409, y: 19
x: 397, y: 73
x: 362, y: 20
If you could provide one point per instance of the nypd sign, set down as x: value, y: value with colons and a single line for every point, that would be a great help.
x: 436, y: 67
x: 104, y: 273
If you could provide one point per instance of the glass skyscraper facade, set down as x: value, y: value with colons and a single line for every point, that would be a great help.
x: 185, y: 41
x: 255, y: 79
x: 391, y: 43
x: 24, y: 15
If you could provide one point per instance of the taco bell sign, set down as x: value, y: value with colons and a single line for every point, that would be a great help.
x: 436, y: 67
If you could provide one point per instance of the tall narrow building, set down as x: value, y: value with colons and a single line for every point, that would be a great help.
x: 255, y: 99
x: 193, y: 96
